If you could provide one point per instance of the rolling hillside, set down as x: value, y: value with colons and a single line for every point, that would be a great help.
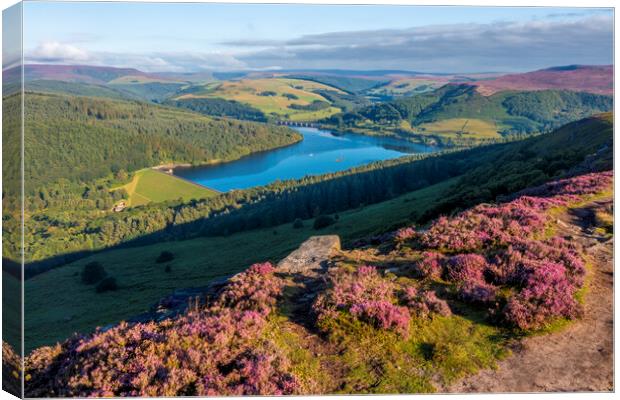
x: 596, y: 79
x: 459, y: 114
x: 78, y: 89
x: 88, y: 80
x: 85, y: 74
x: 408, y: 86
x: 290, y: 99
x: 84, y: 138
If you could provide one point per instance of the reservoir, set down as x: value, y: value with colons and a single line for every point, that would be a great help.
x: 320, y: 152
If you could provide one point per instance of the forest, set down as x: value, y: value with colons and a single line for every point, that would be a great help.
x: 81, y: 139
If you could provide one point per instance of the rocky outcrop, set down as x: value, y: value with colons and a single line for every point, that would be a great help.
x: 307, y: 261
x: 311, y: 257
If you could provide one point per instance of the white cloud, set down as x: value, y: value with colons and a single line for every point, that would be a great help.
x: 499, y: 46
x: 65, y: 53
x: 56, y: 51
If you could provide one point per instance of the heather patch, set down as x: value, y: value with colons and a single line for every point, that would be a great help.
x: 215, y: 350
x: 494, y: 255
x: 369, y: 297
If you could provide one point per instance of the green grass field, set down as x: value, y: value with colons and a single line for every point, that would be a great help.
x: 11, y: 310
x: 461, y: 127
x: 53, y: 315
x: 149, y: 185
x: 249, y: 91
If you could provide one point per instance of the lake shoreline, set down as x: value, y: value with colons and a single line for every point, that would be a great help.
x: 319, y: 152
x: 214, y: 162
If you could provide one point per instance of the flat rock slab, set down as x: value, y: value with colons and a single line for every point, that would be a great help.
x: 311, y: 257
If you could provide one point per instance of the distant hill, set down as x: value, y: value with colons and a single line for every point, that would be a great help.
x: 346, y: 83
x: 581, y: 78
x: 277, y: 98
x: 78, y: 89
x: 87, y: 80
x: 84, y: 73
x: 459, y: 114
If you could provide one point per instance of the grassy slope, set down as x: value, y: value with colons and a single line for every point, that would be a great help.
x: 346, y: 83
x: 149, y: 185
x: 247, y: 91
x: 11, y: 310
x: 198, y: 261
x: 461, y: 127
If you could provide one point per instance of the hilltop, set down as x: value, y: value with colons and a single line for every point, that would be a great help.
x: 81, y: 73
x: 596, y: 79
x: 280, y: 98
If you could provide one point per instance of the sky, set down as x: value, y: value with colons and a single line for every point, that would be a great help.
x: 186, y: 37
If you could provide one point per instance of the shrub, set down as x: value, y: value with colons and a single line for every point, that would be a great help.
x: 477, y: 292
x: 383, y: 314
x: 366, y: 296
x: 298, y: 224
x: 165, y: 256
x: 290, y: 96
x: 492, y: 248
x: 92, y: 273
x: 323, y: 221
x: 255, y: 289
x: 466, y: 268
x: 423, y: 303
x: 404, y: 234
x: 547, y: 294
x: 429, y: 266
x: 106, y: 284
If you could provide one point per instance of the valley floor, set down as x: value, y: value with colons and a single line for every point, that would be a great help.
x: 577, y: 358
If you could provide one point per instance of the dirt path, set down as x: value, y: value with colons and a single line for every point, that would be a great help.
x: 577, y: 358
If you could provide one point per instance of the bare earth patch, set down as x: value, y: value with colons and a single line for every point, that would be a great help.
x: 578, y: 357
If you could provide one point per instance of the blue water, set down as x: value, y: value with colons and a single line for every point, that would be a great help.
x: 318, y: 153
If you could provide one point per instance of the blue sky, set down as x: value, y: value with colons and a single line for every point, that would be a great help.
x: 194, y: 37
